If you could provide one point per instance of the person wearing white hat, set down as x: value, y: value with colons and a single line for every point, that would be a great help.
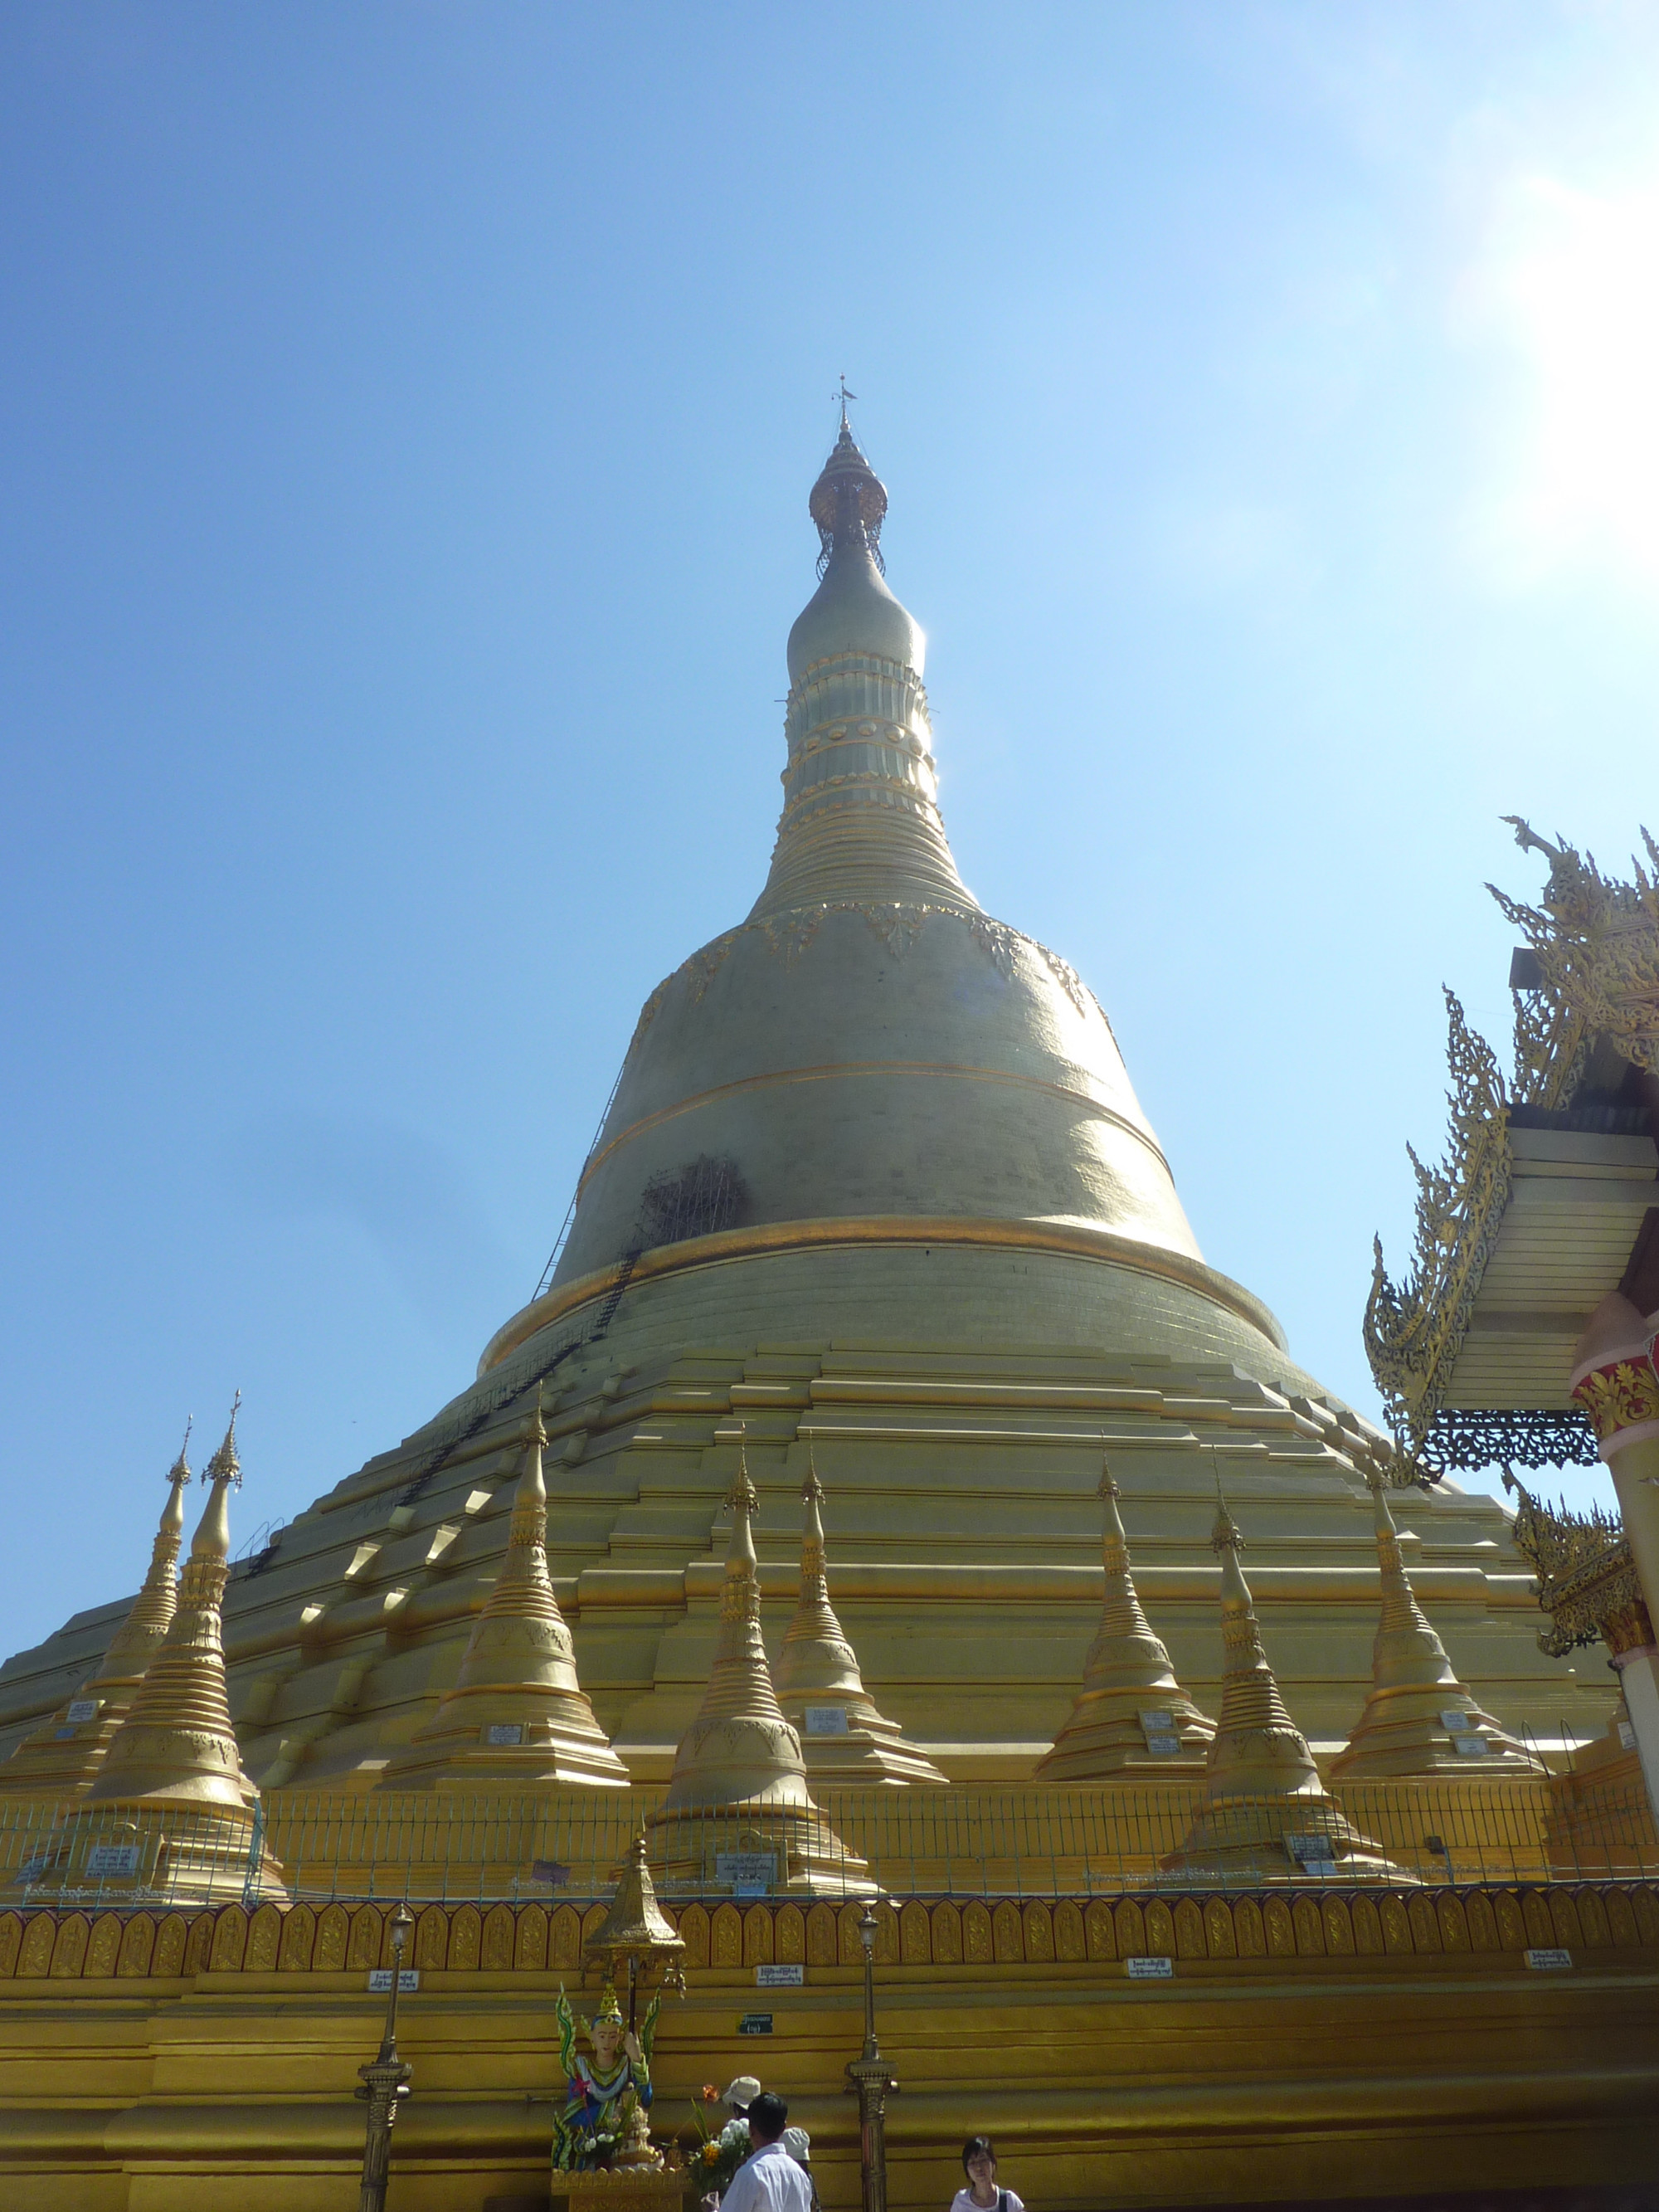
x: 741, y: 2093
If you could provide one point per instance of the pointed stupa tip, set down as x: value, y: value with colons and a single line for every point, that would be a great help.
x: 811, y: 1496
x: 212, y: 1537
x: 1109, y: 1493
x: 535, y: 1426
x: 743, y: 1499
x: 1383, y: 1516
x: 1227, y: 1541
x: 224, y: 1466
x: 532, y: 1439
x: 848, y: 502
x: 179, y: 1473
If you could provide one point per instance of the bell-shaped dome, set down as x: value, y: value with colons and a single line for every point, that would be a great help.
x: 869, y: 1058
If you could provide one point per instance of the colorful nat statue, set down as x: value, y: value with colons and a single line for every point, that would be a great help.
x: 607, y: 2096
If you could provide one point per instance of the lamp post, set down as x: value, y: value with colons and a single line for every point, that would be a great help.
x: 385, y: 2082
x: 868, y: 2075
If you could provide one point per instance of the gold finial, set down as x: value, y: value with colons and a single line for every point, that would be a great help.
x: 843, y: 396
x: 1226, y: 1535
x: 179, y: 1473
x: 535, y: 1428
x: 742, y: 1497
x: 812, y: 1489
x: 1106, y: 1487
x: 224, y: 1466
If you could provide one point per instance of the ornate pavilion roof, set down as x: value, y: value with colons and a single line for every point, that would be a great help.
x: 1546, y: 1201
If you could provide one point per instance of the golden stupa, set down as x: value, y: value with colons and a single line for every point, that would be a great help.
x: 873, y: 1200
x: 873, y: 1173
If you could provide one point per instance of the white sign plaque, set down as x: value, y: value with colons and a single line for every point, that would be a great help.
x: 1158, y: 1723
x: 119, y: 1860
x: 780, y: 1978
x: 1162, y: 1745
x: 82, y: 1709
x: 1312, y: 1850
x: 826, y: 1720
x: 1470, y: 1747
x: 1149, y: 1970
x: 1456, y: 1722
x: 380, y: 1980
x: 1549, y: 1962
x: 747, y: 1874
x: 502, y: 1732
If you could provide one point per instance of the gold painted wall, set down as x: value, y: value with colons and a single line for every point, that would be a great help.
x: 1342, y: 2043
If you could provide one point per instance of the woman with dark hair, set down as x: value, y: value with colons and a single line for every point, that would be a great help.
x: 979, y: 2163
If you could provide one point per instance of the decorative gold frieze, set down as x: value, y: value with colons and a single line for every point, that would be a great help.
x: 1249, y: 1933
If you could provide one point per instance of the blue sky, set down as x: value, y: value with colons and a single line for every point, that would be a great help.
x: 409, y: 414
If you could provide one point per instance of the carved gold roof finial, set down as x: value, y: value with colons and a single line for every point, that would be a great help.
x: 1417, y: 1718
x: 844, y: 1737
x: 1131, y: 1713
x: 1265, y: 1806
x: 517, y: 1711
x: 62, y: 1756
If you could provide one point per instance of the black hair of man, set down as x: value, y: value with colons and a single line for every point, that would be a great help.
x: 769, y: 2115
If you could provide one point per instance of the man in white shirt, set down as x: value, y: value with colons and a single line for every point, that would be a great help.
x: 768, y: 2180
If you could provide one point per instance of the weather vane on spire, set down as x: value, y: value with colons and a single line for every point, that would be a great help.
x: 843, y: 395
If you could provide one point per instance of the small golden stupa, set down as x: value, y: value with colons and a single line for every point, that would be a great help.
x: 170, y: 1808
x: 61, y: 1758
x: 1266, y: 1812
x: 738, y: 1786
x: 517, y: 1713
x: 1417, y: 1717
x: 819, y: 1682
x: 1131, y: 1713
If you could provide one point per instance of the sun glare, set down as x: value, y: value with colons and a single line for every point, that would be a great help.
x: 1572, y: 286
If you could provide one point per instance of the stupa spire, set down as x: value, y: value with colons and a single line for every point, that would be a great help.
x: 62, y: 1756
x: 170, y: 1808
x: 517, y: 1712
x: 176, y: 1742
x: 738, y: 1772
x: 739, y: 1749
x: 844, y: 1738
x: 861, y: 819
x: 1417, y: 1718
x: 1265, y: 1811
x: 1131, y: 1713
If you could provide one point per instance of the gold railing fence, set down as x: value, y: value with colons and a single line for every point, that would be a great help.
x: 998, y: 1841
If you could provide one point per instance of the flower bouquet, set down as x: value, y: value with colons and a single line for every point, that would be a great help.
x: 720, y: 2151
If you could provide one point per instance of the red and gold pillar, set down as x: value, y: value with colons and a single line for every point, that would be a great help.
x: 1615, y: 1379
